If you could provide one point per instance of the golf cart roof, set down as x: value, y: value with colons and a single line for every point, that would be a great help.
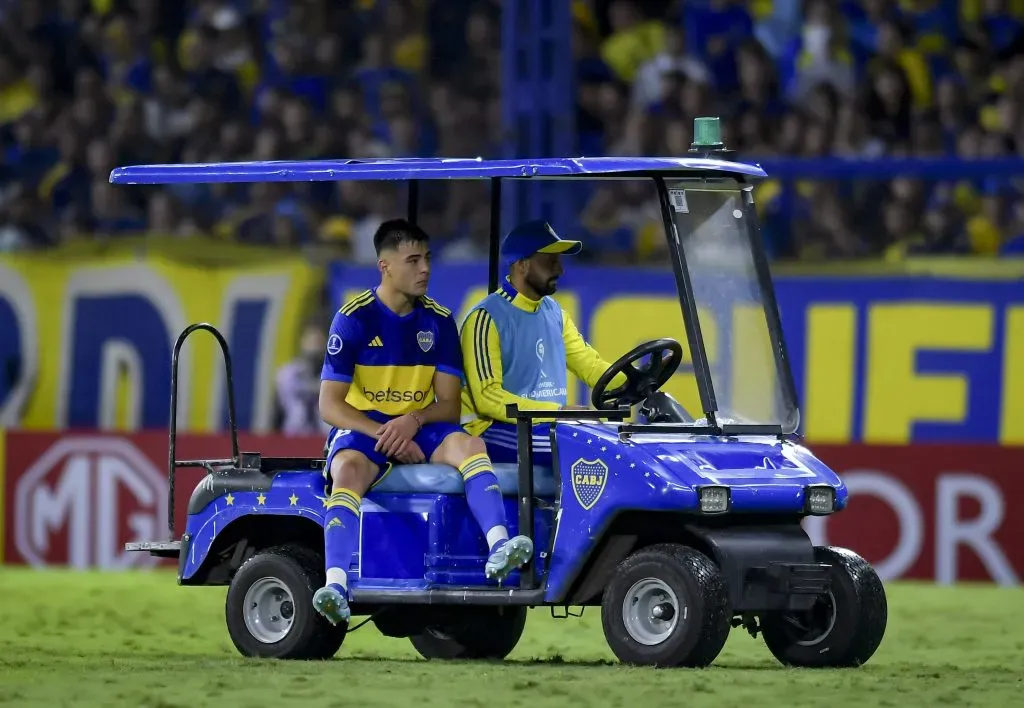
x: 711, y: 232
x: 416, y: 168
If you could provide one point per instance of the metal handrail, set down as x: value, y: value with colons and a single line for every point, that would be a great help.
x: 172, y: 462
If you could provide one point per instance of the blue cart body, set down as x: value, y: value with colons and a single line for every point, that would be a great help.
x: 417, y: 533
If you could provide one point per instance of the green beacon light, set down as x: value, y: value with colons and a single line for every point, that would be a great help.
x: 707, y: 135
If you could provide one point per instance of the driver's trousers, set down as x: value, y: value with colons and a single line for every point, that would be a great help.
x: 500, y: 439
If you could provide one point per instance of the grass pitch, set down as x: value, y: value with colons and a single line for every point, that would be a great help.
x: 137, y: 639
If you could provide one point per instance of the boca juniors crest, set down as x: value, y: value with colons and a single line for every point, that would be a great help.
x: 588, y: 481
x: 425, y: 339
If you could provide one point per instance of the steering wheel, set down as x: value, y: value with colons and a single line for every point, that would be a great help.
x: 641, y: 381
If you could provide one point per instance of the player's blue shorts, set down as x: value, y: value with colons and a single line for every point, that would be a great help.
x: 429, y: 438
x: 500, y: 439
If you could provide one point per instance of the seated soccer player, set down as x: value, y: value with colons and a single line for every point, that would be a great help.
x: 390, y: 388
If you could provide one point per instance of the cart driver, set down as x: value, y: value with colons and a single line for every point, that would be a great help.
x: 518, y: 343
x: 390, y: 389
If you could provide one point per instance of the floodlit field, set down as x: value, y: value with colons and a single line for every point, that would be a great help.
x: 137, y: 639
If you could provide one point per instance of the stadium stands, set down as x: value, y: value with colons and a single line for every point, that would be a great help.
x: 87, y: 84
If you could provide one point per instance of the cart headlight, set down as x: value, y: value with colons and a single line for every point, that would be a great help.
x: 713, y: 500
x: 819, y: 501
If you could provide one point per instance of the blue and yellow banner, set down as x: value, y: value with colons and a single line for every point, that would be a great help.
x: 877, y: 357
x: 86, y: 335
x: 881, y: 357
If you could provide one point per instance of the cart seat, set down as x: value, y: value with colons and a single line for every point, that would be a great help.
x: 445, y: 479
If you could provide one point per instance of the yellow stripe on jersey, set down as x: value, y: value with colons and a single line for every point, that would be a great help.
x: 361, y: 300
x: 484, y: 399
x: 433, y: 305
x: 392, y: 390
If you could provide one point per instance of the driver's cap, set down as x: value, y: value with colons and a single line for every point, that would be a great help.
x: 535, y: 237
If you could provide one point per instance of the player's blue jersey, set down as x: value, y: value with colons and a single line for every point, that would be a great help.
x: 390, y: 359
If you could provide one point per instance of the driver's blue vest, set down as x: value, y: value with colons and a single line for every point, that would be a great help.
x: 532, y: 349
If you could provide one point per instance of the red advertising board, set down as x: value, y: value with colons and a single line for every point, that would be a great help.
x: 937, y: 512
x: 75, y: 498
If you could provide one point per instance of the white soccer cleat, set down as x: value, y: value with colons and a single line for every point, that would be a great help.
x: 508, y: 556
x: 330, y: 602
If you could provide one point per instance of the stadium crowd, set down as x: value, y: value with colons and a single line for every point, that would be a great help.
x: 89, y: 84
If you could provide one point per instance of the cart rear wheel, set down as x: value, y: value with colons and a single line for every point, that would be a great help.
x: 666, y: 605
x: 844, y: 627
x: 269, y: 607
x: 471, y: 633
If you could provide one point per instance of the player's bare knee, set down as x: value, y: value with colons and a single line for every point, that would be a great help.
x: 353, y: 472
x: 472, y: 445
x: 457, y: 447
x: 465, y: 446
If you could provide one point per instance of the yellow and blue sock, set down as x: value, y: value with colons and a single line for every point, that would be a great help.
x: 484, y: 497
x: 341, y: 536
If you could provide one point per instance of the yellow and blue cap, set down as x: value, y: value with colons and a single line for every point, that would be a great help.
x: 533, y: 237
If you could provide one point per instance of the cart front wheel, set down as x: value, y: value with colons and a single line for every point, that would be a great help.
x: 666, y: 605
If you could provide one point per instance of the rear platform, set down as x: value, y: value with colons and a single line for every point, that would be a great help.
x: 417, y: 531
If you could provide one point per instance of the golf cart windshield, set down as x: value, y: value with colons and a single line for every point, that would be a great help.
x: 720, y: 255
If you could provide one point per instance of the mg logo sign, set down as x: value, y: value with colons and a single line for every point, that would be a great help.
x: 83, y: 499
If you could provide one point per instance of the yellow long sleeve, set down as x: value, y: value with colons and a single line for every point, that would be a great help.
x: 582, y: 359
x: 481, y: 355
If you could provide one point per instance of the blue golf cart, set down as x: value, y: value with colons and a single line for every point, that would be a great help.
x: 678, y: 526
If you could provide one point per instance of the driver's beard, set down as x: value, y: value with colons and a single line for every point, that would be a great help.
x: 542, y: 287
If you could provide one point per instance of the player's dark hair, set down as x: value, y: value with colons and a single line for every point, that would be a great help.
x: 394, y: 232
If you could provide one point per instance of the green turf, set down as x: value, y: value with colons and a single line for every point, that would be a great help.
x: 137, y: 639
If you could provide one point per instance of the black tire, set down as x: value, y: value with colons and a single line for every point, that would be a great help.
x: 700, y: 612
x: 475, y: 632
x: 843, y: 629
x: 330, y: 637
x: 299, y: 570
